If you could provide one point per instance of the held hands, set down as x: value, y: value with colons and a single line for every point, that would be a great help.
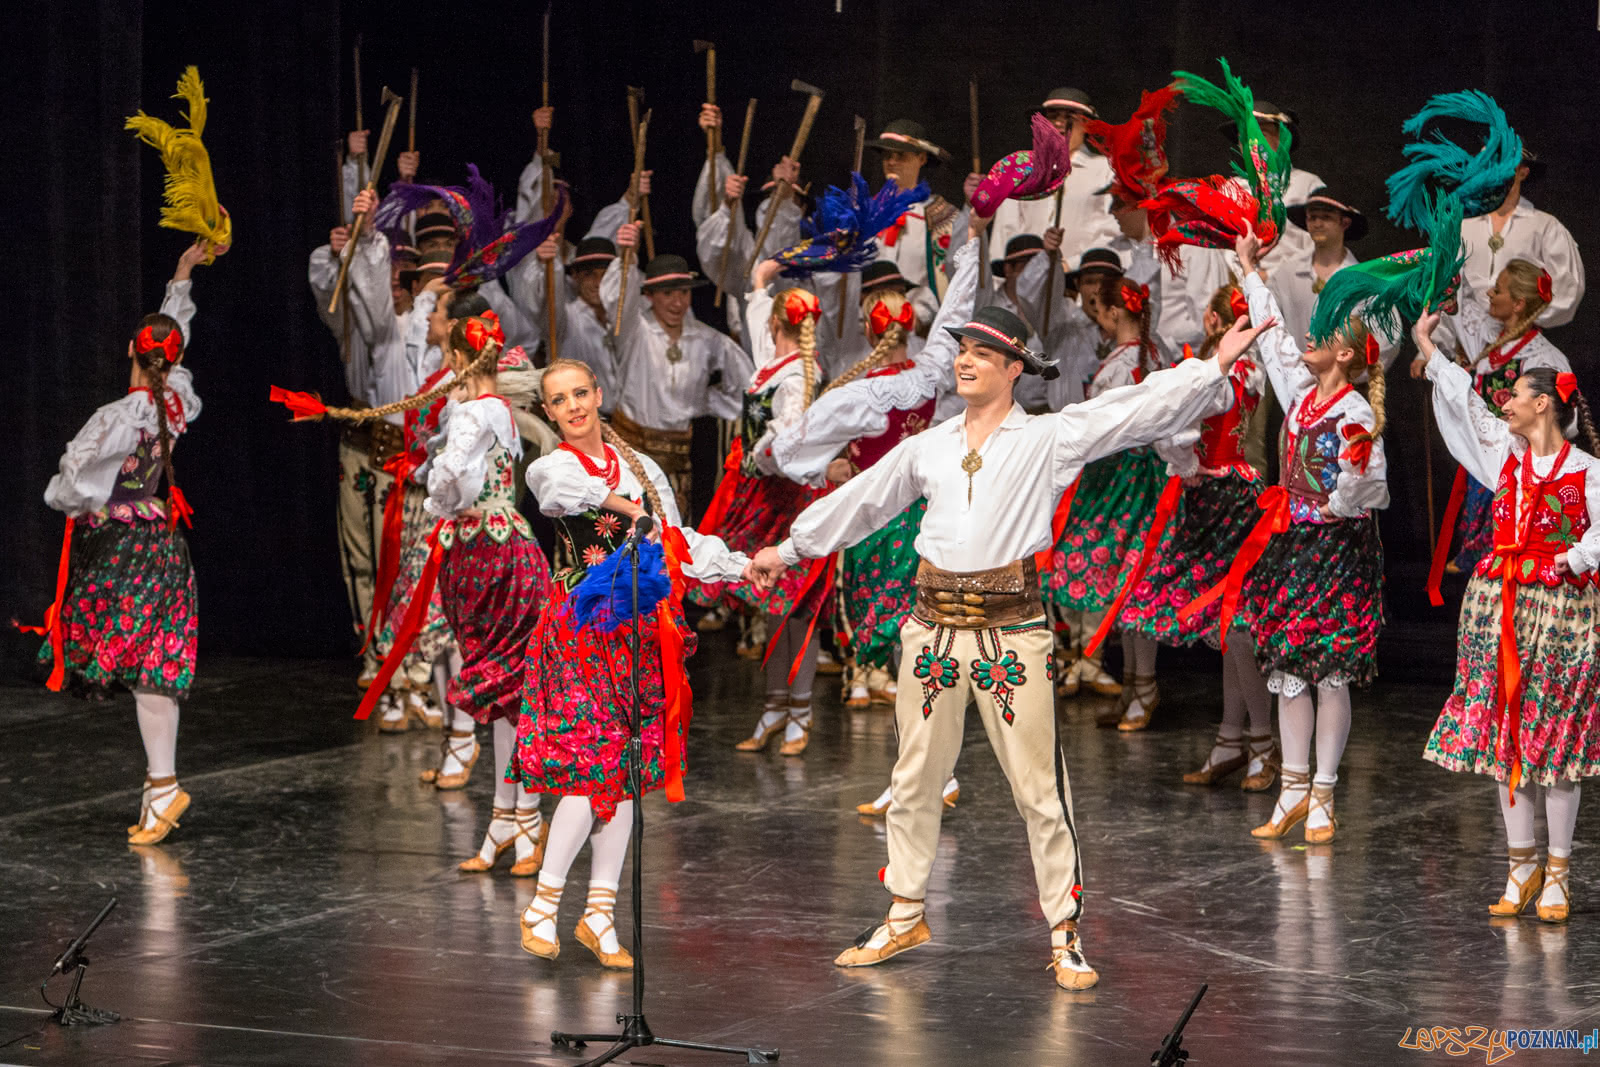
x: 710, y: 117
x: 628, y: 235
x: 355, y: 142
x: 1238, y: 338
x: 407, y: 163
x: 767, y: 567
x: 366, y: 202
x: 840, y: 471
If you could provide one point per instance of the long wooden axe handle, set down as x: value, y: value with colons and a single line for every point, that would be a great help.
x: 712, y: 140
x: 633, y: 214
x: 1055, y: 267
x: 781, y: 193
x: 392, y: 102
x: 744, y: 151
x: 844, y: 279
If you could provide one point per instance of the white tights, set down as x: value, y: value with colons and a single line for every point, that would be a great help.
x: 1561, y: 823
x: 509, y: 793
x: 786, y: 699
x: 608, y: 850
x: 1300, y: 722
x: 158, y: 729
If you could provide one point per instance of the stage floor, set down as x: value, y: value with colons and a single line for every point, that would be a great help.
x: 309, y: 910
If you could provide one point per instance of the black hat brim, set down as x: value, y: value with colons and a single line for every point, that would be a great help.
x: 667, y: 287
x: 588, y: 264
x: 1031, y: 363
x: 935, y: 154
x: 1231, y: 132
x: 1358, y: 222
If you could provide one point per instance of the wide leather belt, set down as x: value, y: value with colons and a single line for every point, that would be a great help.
x: 978, y: 600
x: 669, y: 448
x: 380, y: 441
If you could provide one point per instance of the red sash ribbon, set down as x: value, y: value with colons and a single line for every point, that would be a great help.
x: 52, y: 615
x: 727, y: 489
x: 1447, y: 528
x: 394, y: 515
x: 1165, y: 507
x: 815, y: 569
x: 178, y: 508
x: 1058, y: 525
x: 416, y: 613
x: 1274, y: 505
x: 674, y: 680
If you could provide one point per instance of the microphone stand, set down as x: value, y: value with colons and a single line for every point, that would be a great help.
x: 636, y: 1032
x: 72, y: 1011
x: 1172, y: 1053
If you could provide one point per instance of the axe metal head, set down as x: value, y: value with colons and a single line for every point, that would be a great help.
x: 635, y: 93
x: 704, y: 46
x: 805, y: 87
x: 388, y: 96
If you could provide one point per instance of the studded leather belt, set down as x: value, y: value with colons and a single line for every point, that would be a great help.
x: 977, y: 600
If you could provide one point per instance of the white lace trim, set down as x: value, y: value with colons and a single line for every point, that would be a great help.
x: 1292, y: 685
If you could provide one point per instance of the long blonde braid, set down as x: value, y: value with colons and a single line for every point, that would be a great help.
x: 804, y: 333
x: 483, y: 363
x: 891, y: 339
x: 610, y: 436
x: 1357, y: 335
x: 1522, y: 282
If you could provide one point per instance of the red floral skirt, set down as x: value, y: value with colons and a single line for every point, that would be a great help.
x: 577, y: 697
x: 129, y: 617
x: 760, y: 512
x: 491, y: 593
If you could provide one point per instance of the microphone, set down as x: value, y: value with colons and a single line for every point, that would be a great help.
x: 641, y: 529
x: 69, y: 958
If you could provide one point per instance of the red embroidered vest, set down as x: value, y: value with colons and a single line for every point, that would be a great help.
x: 1560, y: 516
x: 903, y: 423
x: 1222, y: 436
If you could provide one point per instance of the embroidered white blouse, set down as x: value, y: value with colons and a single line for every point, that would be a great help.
x: 89, y: 466
x: 457, y: 470
x: 1474, y: 330
x: 560, y: 484
x: 1482, y: 442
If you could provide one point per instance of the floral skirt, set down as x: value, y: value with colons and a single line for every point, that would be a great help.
x: 1314, y: 604
x: 577, y: 696
x: 1111, y: 509
x: 1213, y: 519
x: 1559, y: 725
x: 1476, y: 525
x: 434, y: 640
x: 760, y: 511
x: 491, y: 594
x: 129, y: 617
x: 880, y: 586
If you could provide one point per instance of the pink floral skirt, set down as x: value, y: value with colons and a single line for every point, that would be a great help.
x: 491, y: 594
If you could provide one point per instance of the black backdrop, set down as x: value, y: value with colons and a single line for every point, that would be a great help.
x: 90, y: 258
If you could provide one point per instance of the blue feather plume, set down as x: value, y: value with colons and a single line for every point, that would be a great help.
x: 1478, y: 179
x: 604, y: 598
x: 842, y: 234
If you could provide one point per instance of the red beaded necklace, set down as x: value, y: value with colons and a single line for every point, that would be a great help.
x: 1310, y: 412
x: 611, y: 473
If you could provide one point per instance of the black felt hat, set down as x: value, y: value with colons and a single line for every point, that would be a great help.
x: 591, y: 252
x: 1095, y: 261
x: 995, y: 327
x: 1322, y: 197
x: 666, y: 273
x: 883, y: 274
x: 1069, y: 99
x: 1266, y: 111
x: 907, y: 135
x: 1022, y: 246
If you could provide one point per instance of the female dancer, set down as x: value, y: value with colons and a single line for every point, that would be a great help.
x: 865, y: 412
x: 1314, y: 600
x: 1498, y: 341
x: 1218, y: 508
x: 577, y: 693
x: 125, y: 613
x: 1116, y: 497
x: 492, y: 575
x: 755, y: 504
x: 1528, y: 666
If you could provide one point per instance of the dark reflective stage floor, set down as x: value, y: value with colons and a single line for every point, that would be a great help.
x: 309, y: 910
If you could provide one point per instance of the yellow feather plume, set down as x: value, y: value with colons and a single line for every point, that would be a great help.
x: 191, y: 197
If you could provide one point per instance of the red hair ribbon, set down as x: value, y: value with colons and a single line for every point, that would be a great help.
x: 481, y: 329
x: 1372, y: 349
x: 171, y: 345
x: 881, y: 318
x: 1546, y: 287
x: 1566, y: 385
x: 800, y: 303
x: 1134, y: 296
x: 1359, y: 452
x: 1238, y: 304
x: 1188, y: 352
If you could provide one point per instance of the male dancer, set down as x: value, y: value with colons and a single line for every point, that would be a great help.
x: 991, y: 479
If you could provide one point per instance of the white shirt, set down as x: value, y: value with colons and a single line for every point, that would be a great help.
x: 714, y: 231
x: 89, y: 467
x: 1536, y: 236
x: 1292, y: 282
x: 1356, y: 491
x: 1086, y: 219
x: 562, y: 487
x: 1028, y: 461
x: 657, y: 392
x: 787, y: 382
x: 322, y: 272
x: 1482, y: 443
x: 457, y: 471
x: 394, y: 369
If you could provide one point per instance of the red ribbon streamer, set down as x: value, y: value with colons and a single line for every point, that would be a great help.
x: 1165, y: 507
x: 675, y: 682
x: 1274, y: 505
x: 178, y: 508
x: 301, y: 405
x: 394, y: 515
x: 52, y: 614
x: 1441, y: 544
x: 416, y: 612
x: 1058, y: 525
x: 816, y: 568
x: 727, y: 489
